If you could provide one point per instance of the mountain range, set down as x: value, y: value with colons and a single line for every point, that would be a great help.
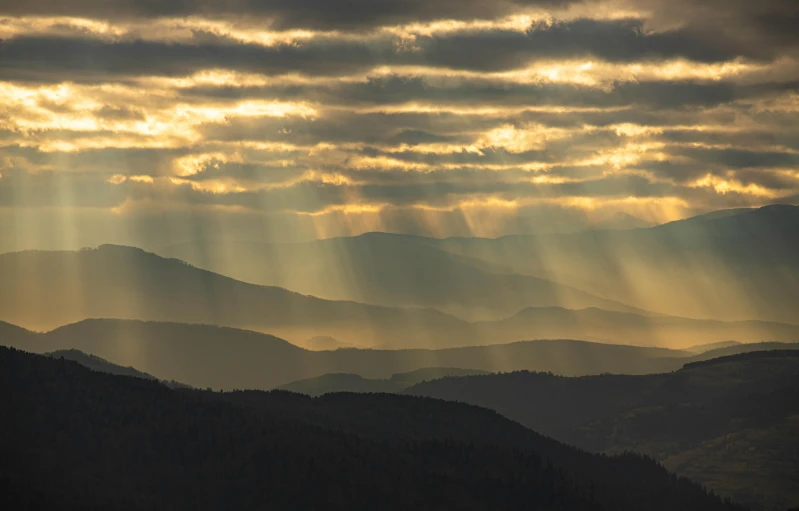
x: 81, y: 439
x: 45, y: 290
x: 210, y: 356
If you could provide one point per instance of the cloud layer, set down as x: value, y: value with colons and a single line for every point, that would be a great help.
x: 316, y: 118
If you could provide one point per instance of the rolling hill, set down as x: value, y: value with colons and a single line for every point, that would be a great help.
x: 728, y: 265
x: 44, y: 290
x: 727, y: 422
x: 341, y: 382
x: 209, y: 356
x: 84, y: 439
x: 387, y: 269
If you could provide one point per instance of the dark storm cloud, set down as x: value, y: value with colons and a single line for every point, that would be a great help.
x: 764, y: 23
x: 395, y: 90
x: 58, y: 59
x: 740, y: 159
x: 311, y: 14
x: 765, y: 134
x: 612, y: 41
x: 55, y: 59
x: 690, y: 101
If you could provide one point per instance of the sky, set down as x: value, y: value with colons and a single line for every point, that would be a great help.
x: 147, y: 122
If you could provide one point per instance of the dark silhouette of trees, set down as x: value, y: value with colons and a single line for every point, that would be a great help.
x: 72, y: 438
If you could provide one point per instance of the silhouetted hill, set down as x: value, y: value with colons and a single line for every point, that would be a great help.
x: 728, y: 423
x: 387, y: 269
x: 113, y: 442
x: 96, y: 363
x: 328, y: 383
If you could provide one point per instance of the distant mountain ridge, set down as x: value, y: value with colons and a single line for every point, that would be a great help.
x: 44, y: 290
x: 398, y: 382
x: 389, y: 269
x: 728, y: 265
x: 231, y: 358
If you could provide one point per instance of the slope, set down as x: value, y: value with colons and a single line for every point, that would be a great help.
x: 209, y: 356
x: 722, y: 266
x: 44, y: 290
x: 387, y: 269
x: 126, y: 443
x: 328, y: 383
x: 726, y: 422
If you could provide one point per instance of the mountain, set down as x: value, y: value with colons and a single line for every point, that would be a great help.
x: 324, y: 343
x: 704, y: 348
x: 328, y: 383
x: 44, y: 290
x: 96, y: 363
x: 728, y: 423
x: 231, y: 358
x: 727, y: 266
x: 609, y: 326
x: 387, y: 269
x: 12, y: 333
x: 621, y: 221
x: 89, y: 440
x: 209, y: 356
x: 780, y: 219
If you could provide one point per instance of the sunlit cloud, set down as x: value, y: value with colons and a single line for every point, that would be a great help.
x: 456, y: 118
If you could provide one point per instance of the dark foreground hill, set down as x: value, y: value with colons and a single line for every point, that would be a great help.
x: 80, y: 439
x: 729, y: 423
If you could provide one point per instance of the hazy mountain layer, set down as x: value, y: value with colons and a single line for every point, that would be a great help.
x: 83, y: 439
x: 43, y: 290
x: 208, y: 356
x: 732, y: 265
x: 728, y: 423
x: 735, y: 265
x: 342, y: 382
x: 387, y: 269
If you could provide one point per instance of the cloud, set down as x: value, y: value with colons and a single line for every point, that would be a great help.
x: 327, y: 118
